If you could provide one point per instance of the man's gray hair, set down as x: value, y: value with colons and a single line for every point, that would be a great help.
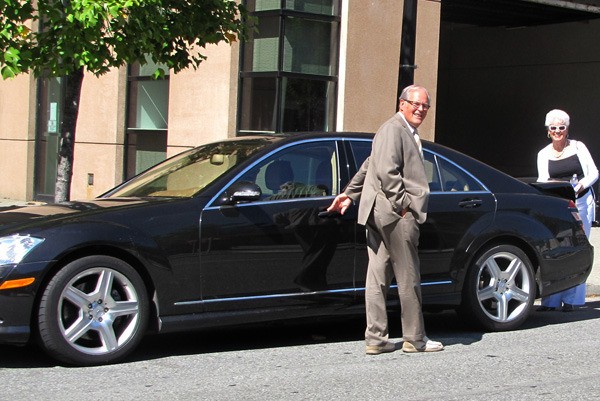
x: 411, y: 88
x: 559, y: 115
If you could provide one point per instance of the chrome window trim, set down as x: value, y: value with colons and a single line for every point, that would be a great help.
x: 209, y: 204
x: 459, y: 167
x: 437, y: 166
x: 336, y: 139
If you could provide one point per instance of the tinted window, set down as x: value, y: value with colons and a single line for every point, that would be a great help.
x: 441, y: 174
x: 305, y: 170
x: 360, y: 151
x: 456, y: 179
x: 432, y: 172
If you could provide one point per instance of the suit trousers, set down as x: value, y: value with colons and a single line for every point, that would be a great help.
x: 392, y: 250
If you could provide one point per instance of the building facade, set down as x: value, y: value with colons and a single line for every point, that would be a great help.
x: 320, y: 65
x: 323, y: 65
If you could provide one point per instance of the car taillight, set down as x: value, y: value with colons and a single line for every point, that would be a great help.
x: 575, y: 211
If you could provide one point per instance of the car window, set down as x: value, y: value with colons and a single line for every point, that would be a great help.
x: 189, y: 172
x: 455, y: 179
x: 432, y: 172
x: 441, y: 174
x: 305, y: 170
x: 360, y: 150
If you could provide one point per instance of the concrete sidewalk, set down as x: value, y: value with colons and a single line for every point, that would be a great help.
x: 593, y: 282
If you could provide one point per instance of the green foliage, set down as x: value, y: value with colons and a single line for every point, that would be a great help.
x: 99, y: 35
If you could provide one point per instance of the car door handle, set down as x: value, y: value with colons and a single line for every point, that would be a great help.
x: 470, y: 203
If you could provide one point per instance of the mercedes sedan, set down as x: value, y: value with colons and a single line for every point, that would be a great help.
x: 233, y: 232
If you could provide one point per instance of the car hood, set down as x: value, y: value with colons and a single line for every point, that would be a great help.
x: 12, y: 219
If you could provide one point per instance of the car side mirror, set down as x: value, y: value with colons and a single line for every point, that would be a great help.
x: 242, y: 191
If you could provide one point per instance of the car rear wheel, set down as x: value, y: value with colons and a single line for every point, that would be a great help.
x: 93, y: 311
x: 500, y: 289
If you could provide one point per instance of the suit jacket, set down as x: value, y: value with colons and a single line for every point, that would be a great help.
x: 393, y: 175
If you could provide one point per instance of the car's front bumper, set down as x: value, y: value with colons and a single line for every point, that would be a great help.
x: 15, y: 317
x: 16, y: 304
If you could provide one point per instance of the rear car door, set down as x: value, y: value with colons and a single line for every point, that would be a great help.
x: 459, y: 207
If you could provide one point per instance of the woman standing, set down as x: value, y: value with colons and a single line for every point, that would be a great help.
x: 564, y: 159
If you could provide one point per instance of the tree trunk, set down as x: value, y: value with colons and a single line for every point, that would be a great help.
x: 62, y: 189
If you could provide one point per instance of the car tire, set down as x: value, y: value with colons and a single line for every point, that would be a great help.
x: 500, y: 289
x: 94, y: 311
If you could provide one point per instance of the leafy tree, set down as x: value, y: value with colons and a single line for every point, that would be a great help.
x: 54, y: 38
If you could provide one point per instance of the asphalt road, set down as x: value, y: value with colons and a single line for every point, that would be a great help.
x: 552, y: 357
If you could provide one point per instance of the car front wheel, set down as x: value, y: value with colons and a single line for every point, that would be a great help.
x: 93, y: 311
x: 500, y: 288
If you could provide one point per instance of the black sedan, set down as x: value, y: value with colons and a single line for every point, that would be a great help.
x: 233, y: 232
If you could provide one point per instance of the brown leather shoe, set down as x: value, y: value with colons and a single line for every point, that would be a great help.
x: 422, y: 346
x: 380, y: 349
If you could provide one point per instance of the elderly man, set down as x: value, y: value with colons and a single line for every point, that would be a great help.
x: 393, y: 191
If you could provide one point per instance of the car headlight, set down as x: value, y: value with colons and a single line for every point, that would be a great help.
x: 14, y: 248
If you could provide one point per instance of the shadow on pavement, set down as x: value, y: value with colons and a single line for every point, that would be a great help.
x: 591, y: 310
x: 443, y: 326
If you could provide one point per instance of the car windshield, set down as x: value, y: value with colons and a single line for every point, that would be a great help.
x: 189, y: 172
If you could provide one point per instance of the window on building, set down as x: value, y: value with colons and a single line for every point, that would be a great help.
x: 289, y: 66
x: 147, y: 118
x: 49, y: 114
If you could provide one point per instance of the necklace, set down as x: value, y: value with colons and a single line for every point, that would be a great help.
x: 558, y: 154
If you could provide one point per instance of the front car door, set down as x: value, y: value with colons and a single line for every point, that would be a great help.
x: 277, y: 252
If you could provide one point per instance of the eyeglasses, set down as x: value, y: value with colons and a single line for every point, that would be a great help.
x: 557, y: 128
x: 416, y: 105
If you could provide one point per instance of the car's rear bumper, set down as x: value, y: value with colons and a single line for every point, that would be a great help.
x: 567, y: 271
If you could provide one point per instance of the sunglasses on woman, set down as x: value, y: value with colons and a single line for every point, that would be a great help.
x: 557, y: 128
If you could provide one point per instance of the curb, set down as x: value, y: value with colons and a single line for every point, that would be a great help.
x: 592, y: 290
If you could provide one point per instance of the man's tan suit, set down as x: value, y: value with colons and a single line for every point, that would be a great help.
x: 392, y: 180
